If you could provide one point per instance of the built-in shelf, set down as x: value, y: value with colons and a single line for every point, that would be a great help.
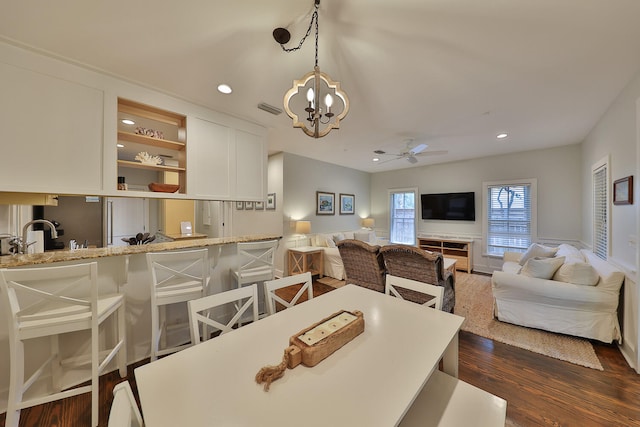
x: 458, y: 249
x: 159, y: 168
x: 148, y: 140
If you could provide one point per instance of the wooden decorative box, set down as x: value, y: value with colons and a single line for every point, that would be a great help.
x: 315, y: 343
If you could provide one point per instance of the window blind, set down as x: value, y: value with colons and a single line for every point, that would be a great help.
x: 600, y: 220
x: 403, y: 217
x: 508, y: 218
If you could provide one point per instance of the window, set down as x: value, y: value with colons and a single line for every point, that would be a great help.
x: 600, y: 209
x: 403, y: 216
x: 510, y: 216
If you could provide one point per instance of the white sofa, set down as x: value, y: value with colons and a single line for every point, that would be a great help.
x: 565, y: 290
x: 333, y: 266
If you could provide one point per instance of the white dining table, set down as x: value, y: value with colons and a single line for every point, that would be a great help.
x: 371, y: 381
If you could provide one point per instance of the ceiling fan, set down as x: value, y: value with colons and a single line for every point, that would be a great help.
x: 410, y: 153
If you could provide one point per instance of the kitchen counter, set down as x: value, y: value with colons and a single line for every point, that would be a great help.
x: 7, y: 261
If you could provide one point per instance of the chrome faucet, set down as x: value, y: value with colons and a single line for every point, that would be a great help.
x: 25, y: 244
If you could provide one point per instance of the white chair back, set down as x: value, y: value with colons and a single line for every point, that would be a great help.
x: 271, y: 286
x: 124, y: 409
x: 201, y: 313
x: 394, y: 282
x: 255, y: 261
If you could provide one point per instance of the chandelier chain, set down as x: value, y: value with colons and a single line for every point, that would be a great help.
x: 314, y: 17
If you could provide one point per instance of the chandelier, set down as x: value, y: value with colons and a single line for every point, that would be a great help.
x: 318, y: 89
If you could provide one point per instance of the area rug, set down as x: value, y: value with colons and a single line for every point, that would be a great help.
x: 474, y: 301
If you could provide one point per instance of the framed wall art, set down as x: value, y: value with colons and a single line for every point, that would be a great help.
x: 259, y: 206
x: 325, y: 203
x: 623, y: 191
x: 347, y: 204
x: 239, y: 205
x: 248, y: 206
x: 271, y: 201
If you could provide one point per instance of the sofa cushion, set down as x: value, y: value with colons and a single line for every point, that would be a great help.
x: 578, y: 273
x: 337, y: 237
x: 537, y: 250
x: 610, y: 277
x: 324, y: 241
x: 365, y: 236
x: 570, y: 252
x: 541, y: 268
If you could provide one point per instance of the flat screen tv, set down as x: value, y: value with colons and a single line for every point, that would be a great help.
x: 449, y: 206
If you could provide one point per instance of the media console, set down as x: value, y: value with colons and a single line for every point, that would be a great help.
x: 459, y: 249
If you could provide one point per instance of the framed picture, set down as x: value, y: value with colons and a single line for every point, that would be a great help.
x: 623, y: 191
x: 259, y: 206
x: 239, y: 205
x: 347, y: 204
x: 248, y: 205
x: 271, y: 201
x: 325, y: 203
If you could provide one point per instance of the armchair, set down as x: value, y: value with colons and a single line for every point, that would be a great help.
x: 363, y: 264
x: 417, y: 264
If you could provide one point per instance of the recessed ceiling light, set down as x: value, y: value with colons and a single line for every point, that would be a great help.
x: 375, y: 159
x: 128, y: 122
x: 501, y: 135
x: 224, y: 88
x: 120, y: 145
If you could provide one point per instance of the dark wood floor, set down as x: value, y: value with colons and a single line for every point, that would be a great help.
x: 540, y: 391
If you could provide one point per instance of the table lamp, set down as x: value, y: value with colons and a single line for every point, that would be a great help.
x: 368, y: 223
x: 303, y: 227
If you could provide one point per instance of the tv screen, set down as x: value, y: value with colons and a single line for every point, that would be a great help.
x: 449, y: 206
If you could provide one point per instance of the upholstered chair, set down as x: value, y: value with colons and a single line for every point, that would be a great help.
x: 363, y: 264
x: 417, y: 264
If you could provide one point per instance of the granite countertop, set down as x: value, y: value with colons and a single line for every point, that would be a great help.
x: 91, y: 253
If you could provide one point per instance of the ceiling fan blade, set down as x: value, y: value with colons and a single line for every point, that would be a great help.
x: 388, y: 160
x: 433, y: 153
x: 418, y: 148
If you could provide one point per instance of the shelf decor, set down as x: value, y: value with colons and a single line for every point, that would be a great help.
x: 325, y: 203
x: 623, y: 191
x: 147, y: 159
x: 347, y: 204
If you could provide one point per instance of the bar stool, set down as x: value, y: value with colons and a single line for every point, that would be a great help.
x: 176, y: 277
x: 47, y: 302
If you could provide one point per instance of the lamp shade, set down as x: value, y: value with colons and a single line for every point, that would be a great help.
x: 368, y: 222
x: 303, y: 227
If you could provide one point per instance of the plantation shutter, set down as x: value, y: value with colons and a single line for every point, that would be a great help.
x: 508, y: 218
x: 403, y: 217
x: 600, y: 220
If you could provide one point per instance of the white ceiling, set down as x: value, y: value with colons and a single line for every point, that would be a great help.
x: 448, y: 73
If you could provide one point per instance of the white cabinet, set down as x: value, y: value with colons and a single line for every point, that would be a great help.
x: 52, y: 133
x: 251, y: 155
x: 209, y: 159
x: 225, y: 163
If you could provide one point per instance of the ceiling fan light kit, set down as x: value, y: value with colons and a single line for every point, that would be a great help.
x: 304, y: 98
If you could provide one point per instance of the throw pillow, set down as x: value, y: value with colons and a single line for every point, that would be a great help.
x: 348, y: 235
x: 321, y: 241
x: 569, y: 252
x: 337, y: 237
x: 579, y: 273
x: 537, y: 250
x: 541, y: 268
x: 363, y: 236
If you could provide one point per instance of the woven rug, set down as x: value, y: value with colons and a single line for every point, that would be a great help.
x: 334, y: 283
x: 474, y: 301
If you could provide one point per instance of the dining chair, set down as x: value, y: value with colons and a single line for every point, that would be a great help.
x: 175, y: 278
x: 271, y: 286
x: 46, y: 302
x: 418, y: 264
x: 124, y: 409
x: 235, y: 301
x: 394, y: 286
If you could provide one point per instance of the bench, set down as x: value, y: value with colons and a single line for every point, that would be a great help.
x: 447, y: 401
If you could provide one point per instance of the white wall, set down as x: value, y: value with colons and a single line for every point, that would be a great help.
x: 556, y: 169
x: 617, y: 135
x: 302, y: 177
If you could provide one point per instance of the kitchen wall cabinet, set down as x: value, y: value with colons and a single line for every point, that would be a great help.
x: 52, y: 133
x: 225, y: 163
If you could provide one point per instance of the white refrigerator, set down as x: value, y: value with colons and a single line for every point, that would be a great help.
x: 125, y: 217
